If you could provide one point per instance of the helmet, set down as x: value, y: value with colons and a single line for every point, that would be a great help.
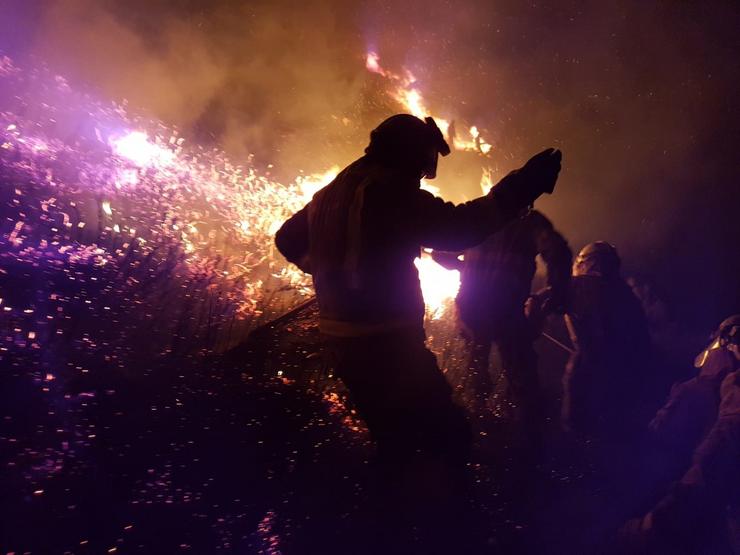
x: 408, y: 142
x: 597, y: 259
x: 726, y: 336
x: 729, y: 334
x: 729, y: 329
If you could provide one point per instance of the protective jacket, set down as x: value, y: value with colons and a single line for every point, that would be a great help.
x: 359, y: 237
x: 701, y: 512
x: 692, y: 406
x: 604, y: 382
x: 496, y: 276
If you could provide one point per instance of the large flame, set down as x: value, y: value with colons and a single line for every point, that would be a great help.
x: 438, y: 285
x: 137, y: 148
x: 407, y: 93
x: 150, y: 188
x: 310, y: 185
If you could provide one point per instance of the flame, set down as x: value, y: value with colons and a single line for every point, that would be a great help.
x: 486, y: 181
x: 136, y: 147
x: 372, y: 63
x: 414, y: 103
x: 222, y: 215
x: 439, y: 286
x: 408, y: 95
x: 426, y: 186
x: 310, y: 185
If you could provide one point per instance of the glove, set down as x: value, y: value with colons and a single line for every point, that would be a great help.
x: 553, y: 300
x: 541, y: 171
x: 522, y: 187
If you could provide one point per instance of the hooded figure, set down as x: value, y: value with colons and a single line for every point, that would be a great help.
x: 358, y: 237
x: 701, y: 511
x: 604, y: 384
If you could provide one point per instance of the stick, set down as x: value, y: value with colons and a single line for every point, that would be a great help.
x: 288, y: 315
x: 559, y: 343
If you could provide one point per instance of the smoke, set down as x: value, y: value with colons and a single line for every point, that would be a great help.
x: 277, y: 80
x: 639, y: 96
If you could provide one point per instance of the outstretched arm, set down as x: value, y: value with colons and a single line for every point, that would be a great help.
x: 442, y: 225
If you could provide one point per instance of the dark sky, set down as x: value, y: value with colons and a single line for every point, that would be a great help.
x: 640, y: 96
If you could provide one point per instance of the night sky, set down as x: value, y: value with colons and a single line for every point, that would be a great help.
x: 640, y: 96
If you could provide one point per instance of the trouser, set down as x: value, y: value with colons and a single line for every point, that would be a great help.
x: 601, y: 400
x: 579, y: 407
x: 423, y: 440
x: 519, y: 360
x: 403, y: 397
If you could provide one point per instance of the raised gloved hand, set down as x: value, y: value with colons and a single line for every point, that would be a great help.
x: 541, y: 171
x: 522, y: 187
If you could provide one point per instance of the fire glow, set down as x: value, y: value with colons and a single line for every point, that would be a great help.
x: 149, y: 186
x: 137, y: 148
x: 408, y: 95
x: 438, y: 285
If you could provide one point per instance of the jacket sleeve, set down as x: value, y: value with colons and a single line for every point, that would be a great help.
x: 557, y: 256
x: 292, y: 239
x: 686, y: 415
x: 447, y: 227
x: 444, y: 226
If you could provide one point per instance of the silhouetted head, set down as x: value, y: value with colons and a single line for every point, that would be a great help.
x: 728, y: 334
x: 597, y: 259
x: 406, y: 142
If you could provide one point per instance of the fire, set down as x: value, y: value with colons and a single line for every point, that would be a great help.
x: 438, y: 285
x: 408, y: 95
x: 156, y: 190
x: 372, y: 63
x: 221, y: 215
x: 136, y: 147
x: 414, y: 103
x: 486, y: 181
x: 310, y: 185
x: 426, y: 186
